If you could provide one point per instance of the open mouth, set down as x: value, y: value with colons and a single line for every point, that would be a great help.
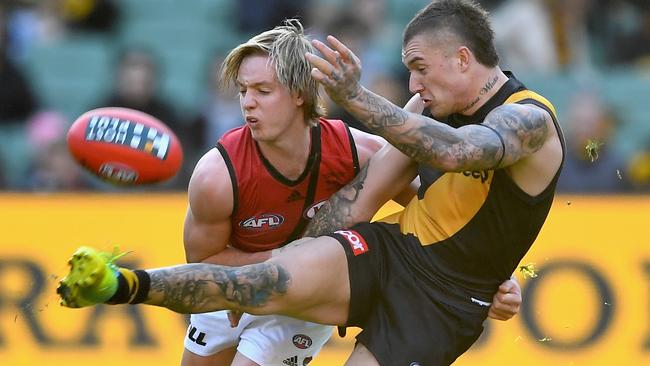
x: 251, y: 120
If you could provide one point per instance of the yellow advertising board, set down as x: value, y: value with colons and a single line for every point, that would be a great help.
x: 588, y: 305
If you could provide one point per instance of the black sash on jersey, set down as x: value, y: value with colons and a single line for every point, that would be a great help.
x: 311, y: 191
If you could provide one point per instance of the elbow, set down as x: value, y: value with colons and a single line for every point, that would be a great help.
x: 448, y: 165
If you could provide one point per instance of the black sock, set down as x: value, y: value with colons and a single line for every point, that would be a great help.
x: 132, y: 287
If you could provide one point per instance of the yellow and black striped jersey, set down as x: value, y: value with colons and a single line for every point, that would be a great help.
x: 477, y: 225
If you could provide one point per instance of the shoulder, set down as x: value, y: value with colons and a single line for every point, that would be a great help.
x: 210, y: 188
x: 234, y: 135
x: 529, y: 123
x: 526, y: 130
x: 367, y: 139
x: 367, y: 144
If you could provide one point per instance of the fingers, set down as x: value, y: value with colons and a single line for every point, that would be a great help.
x: 510, y: 286
x: 344, y: 51
x: 504, y: 306
x: 234, y: 317
x: 416, y: 105
x: 333, y: 57
x: 332, y: 60
x: 506, y: 286
x: 506, y: 301
x: 319, y: 64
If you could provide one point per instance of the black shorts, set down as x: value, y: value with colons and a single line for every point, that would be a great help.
x: 398, y: 308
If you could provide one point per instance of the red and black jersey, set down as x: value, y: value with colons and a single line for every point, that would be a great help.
x: 271, y: 210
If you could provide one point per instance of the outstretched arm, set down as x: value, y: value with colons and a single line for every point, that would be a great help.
x: 513, y: 131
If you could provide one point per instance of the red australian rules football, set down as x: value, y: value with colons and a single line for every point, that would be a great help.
x: 125, y: 146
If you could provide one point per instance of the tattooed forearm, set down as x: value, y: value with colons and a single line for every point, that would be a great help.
x: 472, y: 148
x: 198, y: 288
x: 373, y: 110
x: 426, y: 140
x: 423, y: 139
x: 522, y: 128
x: 338, y: 212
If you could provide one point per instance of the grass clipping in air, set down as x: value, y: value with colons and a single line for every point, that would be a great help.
x: 528, y: 270
x: 592, y: 149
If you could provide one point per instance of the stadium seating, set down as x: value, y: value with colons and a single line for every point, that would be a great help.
x: 73, y: 73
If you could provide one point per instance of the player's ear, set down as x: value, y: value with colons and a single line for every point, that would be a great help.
x: 464, y: 55
x: 300, y: 101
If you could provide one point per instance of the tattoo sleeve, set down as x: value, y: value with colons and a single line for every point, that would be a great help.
x: 472, y: 147
x: 198, y: 288
x: 338, y: 212
x: 524, y: 129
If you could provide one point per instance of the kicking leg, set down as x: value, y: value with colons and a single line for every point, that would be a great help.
x: 308, y: 281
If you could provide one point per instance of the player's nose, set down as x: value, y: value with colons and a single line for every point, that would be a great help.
x: 247, y: 101
x: 415, y: 86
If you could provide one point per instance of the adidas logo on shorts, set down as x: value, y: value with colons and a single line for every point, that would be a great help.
x: 291, y: 361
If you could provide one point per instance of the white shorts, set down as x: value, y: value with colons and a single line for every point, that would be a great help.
x: 266, y: 340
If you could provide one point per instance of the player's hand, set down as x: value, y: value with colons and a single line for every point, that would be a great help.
x: 506, y: 301
x: 234, y: 316
x: 339, y: 69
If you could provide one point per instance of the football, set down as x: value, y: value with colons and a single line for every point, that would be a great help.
x: 125, y: 146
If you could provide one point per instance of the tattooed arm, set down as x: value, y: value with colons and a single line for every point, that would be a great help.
x: 375, y: 184
x: 508, y: 133
x: 382, y: 178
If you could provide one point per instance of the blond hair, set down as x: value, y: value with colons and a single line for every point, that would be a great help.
x: 285, y: 46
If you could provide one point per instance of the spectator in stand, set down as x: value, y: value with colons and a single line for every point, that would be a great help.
x: 33, y: 23
x: 219, y: 112
x: 17, y: 101
x: 631, y: 44
x: 639, y: 169
x: 136, y: 87
x: 602, y: 171
x: 254, y: 16
x: 532, y: 50
x: 90, y: 15
x: 52, y: 168
x: 543, y: 36
x: 359, y: 28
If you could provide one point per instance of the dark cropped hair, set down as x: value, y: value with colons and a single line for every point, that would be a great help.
x: 463, y: 18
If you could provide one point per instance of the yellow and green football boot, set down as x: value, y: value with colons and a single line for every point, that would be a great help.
x: 93, y: 278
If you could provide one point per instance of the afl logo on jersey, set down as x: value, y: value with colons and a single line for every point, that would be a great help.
x: 262, y: 222
x: 313, y: 210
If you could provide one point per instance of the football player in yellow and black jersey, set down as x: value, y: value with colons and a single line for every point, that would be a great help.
x: 419, y: 283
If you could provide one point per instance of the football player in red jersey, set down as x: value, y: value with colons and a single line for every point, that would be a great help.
x: 256, y: 190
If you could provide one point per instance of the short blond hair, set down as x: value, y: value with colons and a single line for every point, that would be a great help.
x: 285, y: 46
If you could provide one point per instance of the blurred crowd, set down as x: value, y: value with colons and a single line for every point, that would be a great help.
x: 580, y: 40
